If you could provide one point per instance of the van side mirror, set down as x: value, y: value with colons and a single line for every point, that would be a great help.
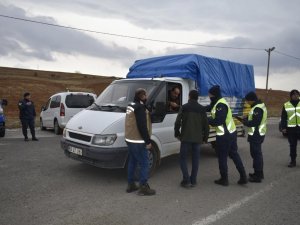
x: 43, y: 108
x: 159, y: 112
x: 4, y: 102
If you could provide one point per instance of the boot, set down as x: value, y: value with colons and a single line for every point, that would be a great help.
x: 253, y: 174
x: 243, y: 179
x: 131, y: 187
x: 146, y: 190
x: 222, y: 181
x: 292, y: 164
x: 256, y: 177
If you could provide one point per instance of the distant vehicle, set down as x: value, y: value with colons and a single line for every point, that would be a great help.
x: 61, y: 107
x: 3, y: 103
x: 96, y: 134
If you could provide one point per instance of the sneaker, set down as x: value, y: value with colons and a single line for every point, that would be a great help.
x: 292, y: 164
x: 146, y: 190
x: 131, y: 188
x: 193, y: 185
x: 35, y: 139
x: 222, y: 181
x: 184, y: 184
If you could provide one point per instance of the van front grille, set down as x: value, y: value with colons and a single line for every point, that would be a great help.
x: 81, y: 137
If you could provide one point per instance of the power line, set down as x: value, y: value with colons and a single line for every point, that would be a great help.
x: 132, y: 37
x: 281, y: 53
x: 145, y: 39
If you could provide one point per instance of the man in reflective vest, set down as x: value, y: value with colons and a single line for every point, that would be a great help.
x: 257, y: 127
x: 290, y: 123
x: 226, y: 140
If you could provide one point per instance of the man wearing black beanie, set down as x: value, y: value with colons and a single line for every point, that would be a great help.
x: 290, y: 123
x: 257, y: 127
x: 226, y: 140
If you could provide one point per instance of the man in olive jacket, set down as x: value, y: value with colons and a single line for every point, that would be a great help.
x: 191, y: 128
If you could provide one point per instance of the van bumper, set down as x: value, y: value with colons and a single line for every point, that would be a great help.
x: 96, y: 156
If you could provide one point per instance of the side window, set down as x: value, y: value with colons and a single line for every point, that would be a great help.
x: 174, y: 97
x: 55, y: 102
x: 47, y: 104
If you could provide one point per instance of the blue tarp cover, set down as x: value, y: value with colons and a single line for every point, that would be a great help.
x: 235, y: 79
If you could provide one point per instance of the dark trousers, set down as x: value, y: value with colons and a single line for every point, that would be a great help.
x: 184, y: 147
x: 25, y: 124
x: 227, y: 146
x: 293, y: 135
x: 256, y: 154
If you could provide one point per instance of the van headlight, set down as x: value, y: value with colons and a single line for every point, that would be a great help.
x: 108, y: 139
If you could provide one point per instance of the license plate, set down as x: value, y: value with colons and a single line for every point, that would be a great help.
x: 77, y: 151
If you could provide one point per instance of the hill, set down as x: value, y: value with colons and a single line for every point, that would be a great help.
x: 43, y: 84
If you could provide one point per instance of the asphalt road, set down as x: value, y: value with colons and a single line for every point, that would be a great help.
x: 39, y: 185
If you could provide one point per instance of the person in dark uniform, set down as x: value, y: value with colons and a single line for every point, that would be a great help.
x: 191, y: 128
x: 257, y: 123
x: 290, y: 123
x: 226, y: 139
x: 27, y: 116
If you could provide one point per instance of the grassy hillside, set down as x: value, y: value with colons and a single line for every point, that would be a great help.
x: 43, y: 84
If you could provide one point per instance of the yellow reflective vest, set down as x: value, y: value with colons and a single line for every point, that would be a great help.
x: 262, y: 128
x: 293, y: 114
x: 230, y: 125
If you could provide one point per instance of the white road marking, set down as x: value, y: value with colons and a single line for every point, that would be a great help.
x: 232, y: 207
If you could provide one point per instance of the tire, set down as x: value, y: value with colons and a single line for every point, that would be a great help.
x: 2, y: 132
x: 153, y: 162
x: 42, y: 125
x: 57, y: 129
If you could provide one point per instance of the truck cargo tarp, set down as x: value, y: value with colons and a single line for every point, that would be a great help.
x: 235, y: 79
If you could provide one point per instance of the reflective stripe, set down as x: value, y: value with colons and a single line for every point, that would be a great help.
x: 220, y: 130
x: 262, y: 128
x: 293, y: 114
x: 135, y: 141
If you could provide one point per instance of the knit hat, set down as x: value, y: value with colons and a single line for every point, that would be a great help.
x: 26, y: 94
x: 215, y: 91
x: 251, y: 96
x: 294, y: 92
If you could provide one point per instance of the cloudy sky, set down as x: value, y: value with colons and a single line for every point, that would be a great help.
x: 247, y: 27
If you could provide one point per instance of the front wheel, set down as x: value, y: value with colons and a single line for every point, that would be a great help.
x: 42, y: 124
x: 153, y: 157
x: 2, y: 132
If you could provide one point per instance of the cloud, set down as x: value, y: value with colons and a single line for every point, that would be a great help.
x: 42, y: 42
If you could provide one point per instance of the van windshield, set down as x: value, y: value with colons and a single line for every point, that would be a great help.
x: 120, y: 93
x: 79, y: 100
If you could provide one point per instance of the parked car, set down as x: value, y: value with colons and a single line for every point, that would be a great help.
x: 3, y: 102
x: 61, y: 107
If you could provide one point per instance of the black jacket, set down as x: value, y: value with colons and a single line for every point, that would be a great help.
x: 191, y: 124
x: 27, y: 110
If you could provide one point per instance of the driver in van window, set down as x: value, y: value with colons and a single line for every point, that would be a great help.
x: 174, y: 100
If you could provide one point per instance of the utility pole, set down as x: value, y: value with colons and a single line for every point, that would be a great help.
x: 269, y: 54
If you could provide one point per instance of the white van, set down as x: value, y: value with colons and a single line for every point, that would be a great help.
x: 96, y: 134
x: 61, y: 107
